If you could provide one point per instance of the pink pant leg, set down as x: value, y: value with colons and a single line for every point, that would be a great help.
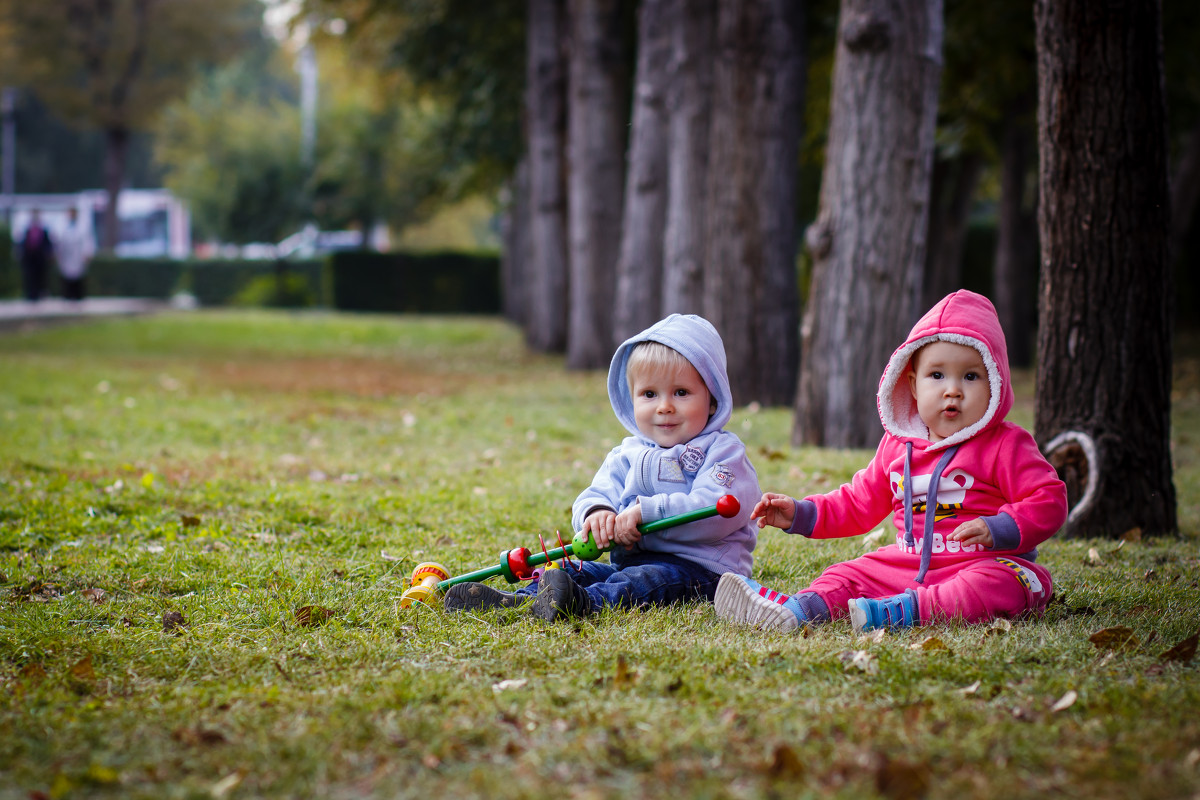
x: 871, y: 575
x: 975, y: 591
x: 984, y: 589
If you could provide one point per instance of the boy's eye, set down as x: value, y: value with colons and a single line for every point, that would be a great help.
x: 649, y: 394
x: 681, y: 392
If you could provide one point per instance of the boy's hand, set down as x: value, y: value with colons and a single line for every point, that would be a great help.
x: 603, y: 525
x: 974, y: 532
x: 627, y: 533
x: 776, y: 510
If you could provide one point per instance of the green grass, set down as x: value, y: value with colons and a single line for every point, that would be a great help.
x: 235, y: 468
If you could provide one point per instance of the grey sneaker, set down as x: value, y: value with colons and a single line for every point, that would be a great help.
x: 560, y: 597
x: 479, y: 596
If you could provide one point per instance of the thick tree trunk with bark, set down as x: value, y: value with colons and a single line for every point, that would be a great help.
x: 596, y: 117
x: 115, y: 154
x: 750, y: 289
x: 868, y: 241
x: 546, y: 121
x: 1104, y: 335
x: 638, y: 302
x: 689, y: 108
x: 1014, y: 276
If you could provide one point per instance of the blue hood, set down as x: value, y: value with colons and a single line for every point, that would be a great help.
x: 695, y: 339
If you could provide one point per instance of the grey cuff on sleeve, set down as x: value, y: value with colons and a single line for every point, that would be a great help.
x: 805, y: 517
x: 1005, y: 533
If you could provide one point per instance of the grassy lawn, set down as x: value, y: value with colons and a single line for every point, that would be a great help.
x: 206, y: 522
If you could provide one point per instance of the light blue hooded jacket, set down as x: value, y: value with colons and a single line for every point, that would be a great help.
x: 686, y: 477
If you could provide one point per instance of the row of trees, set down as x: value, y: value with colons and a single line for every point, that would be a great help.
x: 653, y: 151
x: 659, y: 174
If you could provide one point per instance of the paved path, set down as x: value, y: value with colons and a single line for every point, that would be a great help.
x: 17, y: 315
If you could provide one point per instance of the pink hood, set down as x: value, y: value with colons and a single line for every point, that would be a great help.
x: 963, y: 318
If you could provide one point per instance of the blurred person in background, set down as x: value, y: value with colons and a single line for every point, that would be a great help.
x: 36, y: 252
x: 74, y: 250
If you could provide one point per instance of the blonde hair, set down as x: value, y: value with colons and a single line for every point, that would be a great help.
x: 653, y: 356
x: 656, y: 356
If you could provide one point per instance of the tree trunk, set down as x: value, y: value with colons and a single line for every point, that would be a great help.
x: 546, y: 116
x: 596, y: 117
x: 1014, y: 276
x: 1104, y: 334
x: 868, y: 241
x: 116, y: 150
x: 689, y: 107
x: 515, y: 261
x: 639, y: 266
x: 750, y: 278
x: 953, y: 187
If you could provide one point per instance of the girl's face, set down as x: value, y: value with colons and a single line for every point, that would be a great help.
x: 950, y: 384
x: 670, y: 405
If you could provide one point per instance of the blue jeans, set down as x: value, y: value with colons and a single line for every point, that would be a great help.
x: 642, y: 579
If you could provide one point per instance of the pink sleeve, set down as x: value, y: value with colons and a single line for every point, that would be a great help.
x: 859, y: 506
x: 1037, y: 499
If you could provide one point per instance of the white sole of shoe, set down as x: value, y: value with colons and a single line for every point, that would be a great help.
x: 738, y: 602
x: 858, y: 617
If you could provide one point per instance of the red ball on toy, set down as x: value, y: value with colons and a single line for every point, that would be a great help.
x: 728, y: 506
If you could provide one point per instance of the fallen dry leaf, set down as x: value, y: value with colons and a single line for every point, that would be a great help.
x: 1065, y: 702
x: 226, y: 785
x: 785, y: 764
x: 929, y: 643
x: 198, y: 736
x: 173, y: 621
x: 1093, y: 556
x: 902, y: 780
x: 1116, y: 638
x: 1132, y: 535
x: 860, y: 659
x: 308, y: 616
x: 33, y: 671
x: 188, y: 521
x: 1184, y: 651
x: 966, y: 691
x: 95, y: 594
x: 625, y: 677
x: 82, y: 669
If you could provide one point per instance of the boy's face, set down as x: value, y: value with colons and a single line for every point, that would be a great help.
x: 670, y: 405
x: 950, y: 385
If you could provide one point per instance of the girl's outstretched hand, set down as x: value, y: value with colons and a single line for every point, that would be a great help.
x: 776, y: 510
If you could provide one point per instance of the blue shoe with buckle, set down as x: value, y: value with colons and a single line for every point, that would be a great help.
x: 898, y: 611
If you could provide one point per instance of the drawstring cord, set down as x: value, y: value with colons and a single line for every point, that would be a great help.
x: 930, y: 507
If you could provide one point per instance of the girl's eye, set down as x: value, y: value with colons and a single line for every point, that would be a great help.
x: 972, y: 376
x: 937, y: 376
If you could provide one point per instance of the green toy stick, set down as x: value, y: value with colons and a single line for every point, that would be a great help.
x: 518, y: 564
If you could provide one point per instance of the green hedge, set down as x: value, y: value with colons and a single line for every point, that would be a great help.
x: 10, y: 279
x: 212, y: 282
x: 440, y: 282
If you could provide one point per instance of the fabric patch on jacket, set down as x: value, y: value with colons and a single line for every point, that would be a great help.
x: 692, y: 459
x: 669, y: 471
x: 722, y: 475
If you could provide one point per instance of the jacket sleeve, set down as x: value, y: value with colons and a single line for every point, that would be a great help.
x: 726, y: 470
x: 606, y: 488
x: 1036, y: 497
x: 854, y: 508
